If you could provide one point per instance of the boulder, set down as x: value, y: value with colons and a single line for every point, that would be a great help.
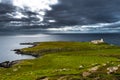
x: 7, y: 64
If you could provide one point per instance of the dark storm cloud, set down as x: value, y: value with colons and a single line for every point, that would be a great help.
x: 67, y: 12
x: 86, y: 11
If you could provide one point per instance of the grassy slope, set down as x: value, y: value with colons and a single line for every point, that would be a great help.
x: 63, y: 60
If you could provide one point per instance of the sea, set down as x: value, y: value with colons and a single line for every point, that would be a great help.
x: 24, y: 21
x: 10, y: 42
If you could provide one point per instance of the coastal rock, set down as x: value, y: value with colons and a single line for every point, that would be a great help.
x: 43, y: 78
x: 7, y: 64
x: 112, y: 69
x: 93, y: 69
x: 17, y: 51
x: 85, y: 74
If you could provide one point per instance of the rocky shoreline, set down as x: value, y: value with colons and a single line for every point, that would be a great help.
x: 8, y: 64
x: 18, y: 51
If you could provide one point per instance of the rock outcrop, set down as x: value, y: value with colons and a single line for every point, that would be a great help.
x: 7, y: 64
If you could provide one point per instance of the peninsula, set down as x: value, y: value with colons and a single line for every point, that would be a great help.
x: 67, y: 61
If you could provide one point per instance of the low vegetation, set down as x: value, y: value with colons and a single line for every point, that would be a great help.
x: 67, y: 61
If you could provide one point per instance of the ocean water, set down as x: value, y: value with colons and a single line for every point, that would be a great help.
x: 10, y: 42
x: 56, y: 20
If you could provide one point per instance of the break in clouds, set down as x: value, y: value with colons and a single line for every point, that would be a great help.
x: 60, y: 15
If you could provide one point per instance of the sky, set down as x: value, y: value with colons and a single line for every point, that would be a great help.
x: 81, y: 16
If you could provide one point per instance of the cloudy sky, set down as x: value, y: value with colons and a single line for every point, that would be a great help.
x: 60, y: 15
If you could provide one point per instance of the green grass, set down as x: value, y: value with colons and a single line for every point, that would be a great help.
x: 63, y: 59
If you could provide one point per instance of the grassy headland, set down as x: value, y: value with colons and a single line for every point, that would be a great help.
x: 67, y: 61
